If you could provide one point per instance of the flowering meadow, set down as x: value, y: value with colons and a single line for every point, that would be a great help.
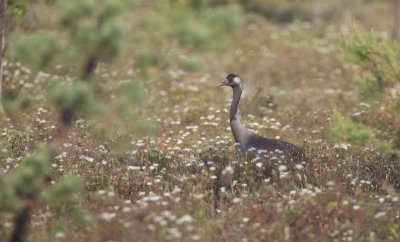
x: 138, y: 146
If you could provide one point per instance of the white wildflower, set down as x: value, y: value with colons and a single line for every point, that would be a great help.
x: 87, y: 158
x: 175, y: 232
x: 133, y: 168
x: 227, y: 170
x: 299, y: 166
x: 380, y: 215
x: 108, y: 216
x: 282, y: 168
x: 184, y: 219
x: 59, y: 235
x: 245, y: 220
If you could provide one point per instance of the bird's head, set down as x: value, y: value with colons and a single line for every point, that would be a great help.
x: 232, y: 80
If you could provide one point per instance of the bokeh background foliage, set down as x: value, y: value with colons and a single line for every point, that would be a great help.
x: 113, y: 128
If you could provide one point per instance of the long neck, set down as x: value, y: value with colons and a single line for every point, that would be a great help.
x: 240, y: 133
x: 237, y: 92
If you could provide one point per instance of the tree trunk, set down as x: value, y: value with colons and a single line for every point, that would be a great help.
x: 396, y: 25
x: 2, y: 47
x: 22, y: 222
x: 88, y: 68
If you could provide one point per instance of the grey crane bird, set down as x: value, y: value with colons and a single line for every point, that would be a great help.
x: 248, y: 139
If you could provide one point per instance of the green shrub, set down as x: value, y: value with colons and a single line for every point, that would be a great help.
x: 203, y: 28
x: 82, y: 34
x: 78, y: 96
x: 30, y: 179
x: 89, y: 29
x: 128, y: 95
x: 192, y: 33
x: 369, y: 88
x: 278, y: 10
x: 145, y: 58
x: 374, y: 55
x: 38, y: 50
x: 225, y: 18
x: 192, y: 63
x: 345, y: 129
x: 396, y: 142
x: 377, y: 60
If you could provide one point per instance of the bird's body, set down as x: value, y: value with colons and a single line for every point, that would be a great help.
x: 249, y: 140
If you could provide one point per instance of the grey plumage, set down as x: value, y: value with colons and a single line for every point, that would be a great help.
x: 248, y: 139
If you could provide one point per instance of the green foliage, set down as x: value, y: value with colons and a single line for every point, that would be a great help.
x: 369, y: 88
x: 373, y: 54
x: 130, y: 90
x: 93, y: 26
x: 31, y: 178
x: 65, y: 189
x: 397, y: 107
x: 192, y: 63
x: 278, y: 10
x: 18, y: 7
x: 378, y: 70
x: 203, y: 28
x: 74, y: 11
x: 384, y: 147
x: 145, y: 58
x: 197, y: 4
x: 396, y: 142
x: 38, y: 50
x: 27, y: 181
x: 128, y: 95
x: 91, y: 29
x: 345, y: 129
x: 78, y: 97
x: 192, y: 33
x: 16, y: 104
x: 226, y: 18
x: 88, y: 32
x: 3, y: 152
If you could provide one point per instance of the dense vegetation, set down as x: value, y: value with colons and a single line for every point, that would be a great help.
x: 114, y: 130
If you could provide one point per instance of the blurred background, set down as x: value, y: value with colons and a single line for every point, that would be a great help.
x: 181, y: 47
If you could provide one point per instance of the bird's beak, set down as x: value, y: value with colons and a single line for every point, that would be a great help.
x: 224, y: 83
